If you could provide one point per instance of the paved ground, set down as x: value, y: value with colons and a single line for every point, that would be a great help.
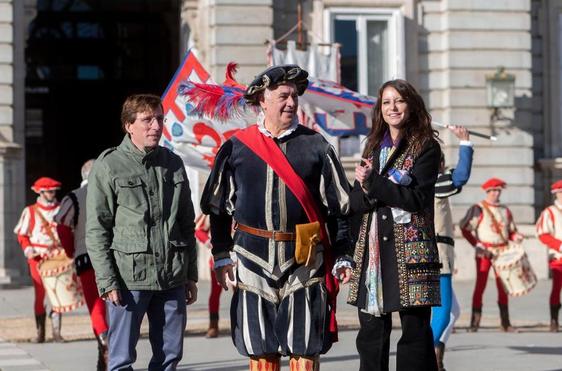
x: 532, y: 349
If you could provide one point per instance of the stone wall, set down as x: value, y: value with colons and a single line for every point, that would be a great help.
x: 234, y: 30
x: 460, y: 43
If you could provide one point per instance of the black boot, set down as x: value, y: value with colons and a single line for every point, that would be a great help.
x: 475, y: 319
x: 439, y: 354
x: 56, y: 322
x: 554, y: 309
x: 40, y: 325
x: 504, y: 317
x: 102, y: 352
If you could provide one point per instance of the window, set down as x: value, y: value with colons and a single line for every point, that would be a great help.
x: 372, y: 52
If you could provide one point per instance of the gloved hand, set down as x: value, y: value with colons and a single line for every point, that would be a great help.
x: 30, y: 252
x: 482, y: 252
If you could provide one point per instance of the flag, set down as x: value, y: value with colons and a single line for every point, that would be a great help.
x: 337, y: 110
x: 195, y: 139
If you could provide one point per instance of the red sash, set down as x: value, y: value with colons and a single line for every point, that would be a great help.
x: 266, y: 149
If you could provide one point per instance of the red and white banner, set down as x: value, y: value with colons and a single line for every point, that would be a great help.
x: 196, y: 140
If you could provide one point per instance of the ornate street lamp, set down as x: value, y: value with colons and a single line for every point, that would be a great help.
x: 500, y: 89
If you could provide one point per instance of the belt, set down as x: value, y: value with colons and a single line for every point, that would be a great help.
x: 273, y: 235
x: 445, y: 239
x: 494, y: 244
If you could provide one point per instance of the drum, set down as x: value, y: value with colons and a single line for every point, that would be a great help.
x: 514, y: 270
x: 61, y: 282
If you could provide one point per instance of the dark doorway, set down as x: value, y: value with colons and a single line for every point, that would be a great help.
x: 83, y: 58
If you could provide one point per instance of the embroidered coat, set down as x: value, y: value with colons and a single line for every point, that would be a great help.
x: 408, y: 252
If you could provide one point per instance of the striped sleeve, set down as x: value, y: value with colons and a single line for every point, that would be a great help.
x: 334, y: 187
x: 444, y: 186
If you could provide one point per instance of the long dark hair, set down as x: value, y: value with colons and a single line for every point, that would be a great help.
x: 416, y: 128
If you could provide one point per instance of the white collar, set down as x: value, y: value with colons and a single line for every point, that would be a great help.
x: 84, y: 183
x: 264, y: 131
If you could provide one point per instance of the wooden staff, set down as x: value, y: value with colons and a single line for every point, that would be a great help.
x: 475, y: 133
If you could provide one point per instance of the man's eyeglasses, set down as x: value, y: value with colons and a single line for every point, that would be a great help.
x: 48, y: 191
x: 148, y: 120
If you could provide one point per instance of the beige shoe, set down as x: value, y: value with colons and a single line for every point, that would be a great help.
x: 213, y: 331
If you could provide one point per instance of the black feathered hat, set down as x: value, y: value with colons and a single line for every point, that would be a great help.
x: 275, y: 75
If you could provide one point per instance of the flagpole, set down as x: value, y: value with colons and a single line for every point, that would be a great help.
x: 299, y: 26
x: 493, y: 138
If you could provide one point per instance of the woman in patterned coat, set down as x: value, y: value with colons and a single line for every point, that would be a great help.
x: 396, y: 257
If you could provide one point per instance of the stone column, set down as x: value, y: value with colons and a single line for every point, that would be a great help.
x: 12, y: 181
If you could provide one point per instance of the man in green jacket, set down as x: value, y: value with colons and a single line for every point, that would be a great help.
x: 140, y: 238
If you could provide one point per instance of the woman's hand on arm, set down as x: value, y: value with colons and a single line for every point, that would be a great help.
x: 362, y: 172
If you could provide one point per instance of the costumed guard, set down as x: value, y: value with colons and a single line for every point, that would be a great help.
x: 449, y: 183
x: 549, y: 231
x: 71, y: 228
x: 488, y: 226
x: 38, y: 238
x: 283, y: 184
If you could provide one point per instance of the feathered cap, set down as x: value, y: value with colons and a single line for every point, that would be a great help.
x: 556, y: 187
x: 220, y: 102
x: 232, y: 100
x: 276, y: 75
x: 45, y: 184
x: 493, y: 183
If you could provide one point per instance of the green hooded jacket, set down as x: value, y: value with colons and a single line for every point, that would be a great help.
x: 140, y: 220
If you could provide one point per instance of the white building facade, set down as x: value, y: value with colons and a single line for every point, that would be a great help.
x: 445, y: 48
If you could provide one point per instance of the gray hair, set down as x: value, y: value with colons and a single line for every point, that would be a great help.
x: 85, y: 171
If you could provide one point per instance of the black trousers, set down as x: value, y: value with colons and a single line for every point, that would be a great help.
x: 415, y: 350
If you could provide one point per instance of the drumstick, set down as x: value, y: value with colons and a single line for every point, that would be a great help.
x: 475, y: 133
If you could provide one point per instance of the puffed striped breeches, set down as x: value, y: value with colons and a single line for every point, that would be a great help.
x: 285, y: 313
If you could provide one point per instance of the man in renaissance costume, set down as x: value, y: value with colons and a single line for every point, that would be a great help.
x: 37, y: 236
x: 286, y: 190
x: 549, y: 231
x: 489, y: 227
